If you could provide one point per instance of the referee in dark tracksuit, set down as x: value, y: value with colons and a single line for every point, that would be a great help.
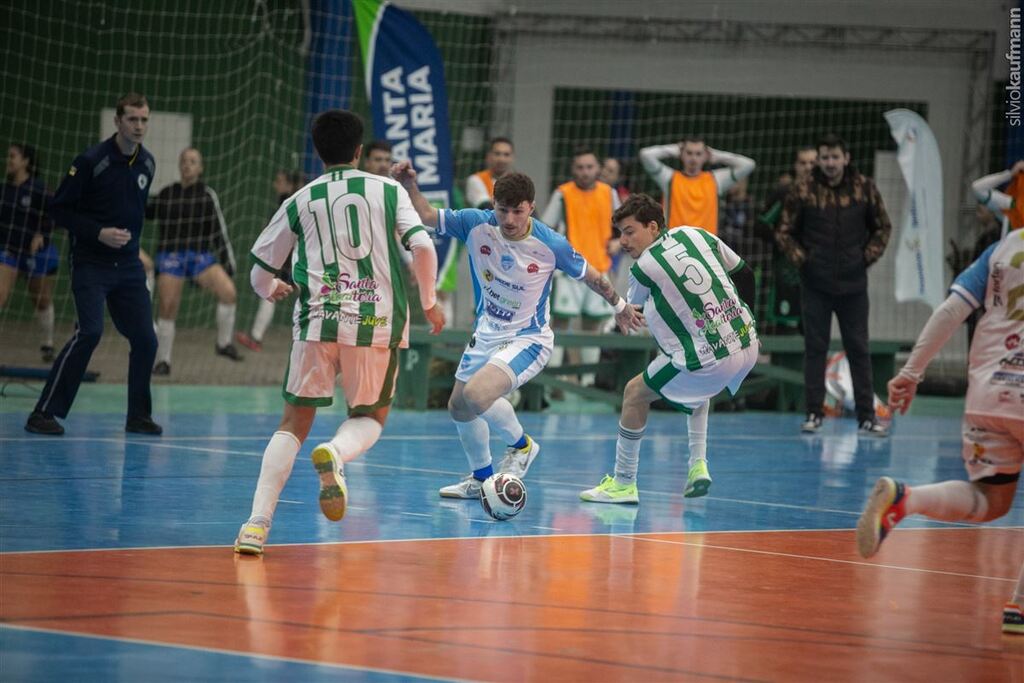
x: 102, y: 203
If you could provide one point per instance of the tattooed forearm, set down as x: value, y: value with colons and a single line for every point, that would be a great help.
x: 600, y: 284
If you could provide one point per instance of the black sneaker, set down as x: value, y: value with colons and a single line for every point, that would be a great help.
x: 229, y: 351
x: 162, y: 368
x: 42, y: 423
x: 143, y: 425
x: 812, y: 424
x: 47, y: 354
x: 872, y: 427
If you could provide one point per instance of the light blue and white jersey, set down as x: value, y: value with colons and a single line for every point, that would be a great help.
x: 995, y: 369
x: 511, y: 279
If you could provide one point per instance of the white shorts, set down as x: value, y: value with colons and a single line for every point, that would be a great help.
x: 992, y: 445
x: 573, y: 298
x: 520, y: 357
x: 367, y: 375
x: 687, y: 390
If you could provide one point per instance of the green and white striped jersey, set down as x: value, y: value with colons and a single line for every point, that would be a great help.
x: 691, y: 304
x: 344, y: 230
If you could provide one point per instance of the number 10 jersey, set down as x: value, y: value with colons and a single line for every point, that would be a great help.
x: 344, y: 231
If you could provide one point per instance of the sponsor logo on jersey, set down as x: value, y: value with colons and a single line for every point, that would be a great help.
x: 1014, y: 362
x: 503, y: 300
x: 350, y: 318
x: 714, y: 316
x: 1012, y: 342
x: 345, y: 289
x: 26, y: 201
x: 488, y: 275
x: 532, y: 268
x: 507, y: 262
x: 499, y: 313
x: 72, y: 171
x: 485, y: 249
x: 1006, y: 396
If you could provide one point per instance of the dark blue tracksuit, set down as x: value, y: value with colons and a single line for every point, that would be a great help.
x: 104, y: 188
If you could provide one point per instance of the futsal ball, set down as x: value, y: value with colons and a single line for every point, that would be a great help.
x: 503, y: 496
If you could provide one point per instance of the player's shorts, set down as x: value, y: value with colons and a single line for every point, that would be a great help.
x: 686, y: 390
x: 186, y: 263
x: 992, y: 445
x: 43, y: 262
x: 573, y: 298
x: 367, y: 375
x: 520, y: 357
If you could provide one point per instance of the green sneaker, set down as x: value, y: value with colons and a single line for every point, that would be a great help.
x: 698, y: 481
x: 610, y: 491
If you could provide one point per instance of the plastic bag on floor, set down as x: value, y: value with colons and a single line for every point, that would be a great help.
x: 839, y: 390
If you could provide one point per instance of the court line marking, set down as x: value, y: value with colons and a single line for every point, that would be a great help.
x: 611, y: 436
x: 233, y: 653
x: 814, y: 557
x: 640, y: 534
x: 546, y: 482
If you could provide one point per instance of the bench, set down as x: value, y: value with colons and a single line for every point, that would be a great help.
x: 784, y: 370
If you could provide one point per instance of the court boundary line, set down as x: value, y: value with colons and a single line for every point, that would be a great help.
x: 823, y: 559
x: 234, y: 653
x: 640, y: 534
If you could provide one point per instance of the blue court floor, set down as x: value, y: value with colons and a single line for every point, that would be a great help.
x: 97, y: 488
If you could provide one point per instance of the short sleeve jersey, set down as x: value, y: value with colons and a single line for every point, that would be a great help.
x: 511, y: 278
x: 692, y: 307
x: 996, y: 362
x: 345, y: 228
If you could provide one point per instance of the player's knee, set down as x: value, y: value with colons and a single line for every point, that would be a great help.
x: 228, y: 295
x: 476, y: 400
x: 634, y: 391
x: 89, y: 337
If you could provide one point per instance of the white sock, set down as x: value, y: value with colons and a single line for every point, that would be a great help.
x: 164, y: 340
x: 45, y: 318
x: 278, y: 458
x: 501, y: 417
x: 627, y: 454
x: 557, y: 356
x: 588, y: 355
x: 697, y: 428
x: 264, y: 314
x: 474, y: 436
x: 948, y: 501
x: 225, y: 324
x: 355, y: 436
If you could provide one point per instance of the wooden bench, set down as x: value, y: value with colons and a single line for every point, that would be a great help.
x: 784, y: 371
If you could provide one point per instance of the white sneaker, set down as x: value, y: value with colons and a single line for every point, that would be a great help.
x: 252, y: 536
x: 467, y: 488
x: 518, y: 460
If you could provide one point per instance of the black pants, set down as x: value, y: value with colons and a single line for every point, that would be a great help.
x: 123, y: 290
x: 852, y: 312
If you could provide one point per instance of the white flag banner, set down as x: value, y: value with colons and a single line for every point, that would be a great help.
x: 919, y: 266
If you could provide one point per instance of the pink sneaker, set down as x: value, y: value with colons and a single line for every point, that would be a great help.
x: 248, y: 342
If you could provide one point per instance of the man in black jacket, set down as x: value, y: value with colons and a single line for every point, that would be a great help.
x: 834, y: 226
x: 102, y: 202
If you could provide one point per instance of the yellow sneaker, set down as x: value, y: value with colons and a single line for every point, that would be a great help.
x: 698, y: 481
x: 252, y: 536
x: 611, y: 491
x: 333, y: 491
